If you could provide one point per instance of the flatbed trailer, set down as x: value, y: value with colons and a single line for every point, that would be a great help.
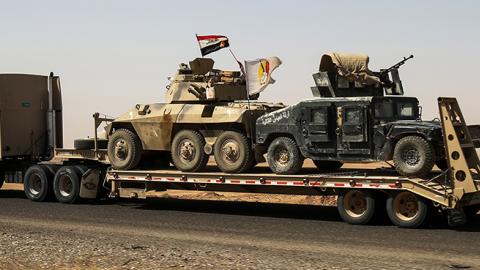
x: 408, y: 201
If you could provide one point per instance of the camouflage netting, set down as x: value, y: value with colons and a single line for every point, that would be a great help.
x: 354, y: 67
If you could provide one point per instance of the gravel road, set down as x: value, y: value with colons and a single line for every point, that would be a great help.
x: 195, y: 234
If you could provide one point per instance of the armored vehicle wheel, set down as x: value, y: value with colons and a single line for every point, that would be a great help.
x: 87, y: 144
x: 124, y: 149
x: 327, y: 165
x: 37, y: 183
x: 284, y: 157
x: 413, y: 156
x: 407, y: 210
x: 356, y: 206
x: 232, y: 152
x: 66, y: 184
x: 187, y: 151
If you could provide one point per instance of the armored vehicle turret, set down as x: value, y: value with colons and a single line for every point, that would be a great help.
x: 207, y: 112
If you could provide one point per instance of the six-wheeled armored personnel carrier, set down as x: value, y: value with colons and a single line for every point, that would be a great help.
x: 352, y: 120
x: 207, y: 111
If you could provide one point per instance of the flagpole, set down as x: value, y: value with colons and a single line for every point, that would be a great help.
x: 200, y: 47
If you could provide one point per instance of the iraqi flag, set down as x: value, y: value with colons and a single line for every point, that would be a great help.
x: 212, y: 43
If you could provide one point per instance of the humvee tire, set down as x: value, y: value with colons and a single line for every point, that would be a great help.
x: 413, y: 156
x: 327, y: 165
x: 356, y: 206
x: 124, y: 149
x: 284, y: 157
x: 37, y: 183
x: 232, y: 152
x: 187, y: 151
x: 87, y: 144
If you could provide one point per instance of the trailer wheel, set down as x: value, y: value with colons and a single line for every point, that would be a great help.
x: 187, y: 151
x: 327, y: 165
x: 284, y: 157
x: 232, y: 152
x: 413, y: 156
x: 66, y: 184
x: 37, y: 183
x: 407, y: 210
x: 356, y: 206
x: 124, y: 149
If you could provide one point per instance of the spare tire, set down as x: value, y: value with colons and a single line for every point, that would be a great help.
x: 87, y: 144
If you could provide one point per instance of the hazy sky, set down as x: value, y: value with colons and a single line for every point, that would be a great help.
x: 113, y: 54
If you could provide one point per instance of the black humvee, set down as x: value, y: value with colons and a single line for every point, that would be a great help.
x: 340, y: 126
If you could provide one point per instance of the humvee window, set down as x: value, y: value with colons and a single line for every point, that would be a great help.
x: 405, y: 109
x: 384, y: 109
x: 352, y: 115
x: 343, y: 82
x: 319, y: 116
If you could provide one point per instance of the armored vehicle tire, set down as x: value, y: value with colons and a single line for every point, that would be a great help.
x: 356, y: 206
x: 37, y: 183
x: 124, y: 149
x: 413, y: 156
x: 406, y: 209
x: 284, y: 157
x: 187, y: 151
x: 232, y: 152
x: 66, y: 184
x: 327, y: 165
x: 87, y: 144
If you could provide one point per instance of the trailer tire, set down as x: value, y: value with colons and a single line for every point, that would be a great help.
x: 328, y: 165
x: 413, y: 156
x: 232, y: 152
x: 87, y: 144
x: 66, y: 184
x: 356, y: 206
x: 471, y: 211
x: 124, y: 149
x: 37, y: 183
x: 187, y: 151
x: 407, y: 210
x: 284, y: 157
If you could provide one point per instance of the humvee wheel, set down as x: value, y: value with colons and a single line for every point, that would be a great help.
x: 124, y: 149
x: 413, y: 156
x: 406, y: 209
x: 284, y: 157
x: 356, y: 206
x: 232, y: 152
x: 187, y: 151
x: 324, y: 165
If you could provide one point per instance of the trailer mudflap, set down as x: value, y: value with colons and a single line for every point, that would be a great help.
x: 89, y: 185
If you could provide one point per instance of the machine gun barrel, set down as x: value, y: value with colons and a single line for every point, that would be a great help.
x: 397, y: 65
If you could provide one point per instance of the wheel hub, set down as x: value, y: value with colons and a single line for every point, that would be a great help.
x: 230, y: 151
x: 282, y: 156
x: 35, y: 184
x: 187, y: 150
x: 406, y: 206
x: 121, y: 149
x: 355, y: 203
x: 65, y: 185
x: 411, y: 157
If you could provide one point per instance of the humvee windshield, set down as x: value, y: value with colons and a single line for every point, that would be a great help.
x: 391, y: 108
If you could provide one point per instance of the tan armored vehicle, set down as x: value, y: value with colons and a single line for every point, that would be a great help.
x: 207, y: 111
